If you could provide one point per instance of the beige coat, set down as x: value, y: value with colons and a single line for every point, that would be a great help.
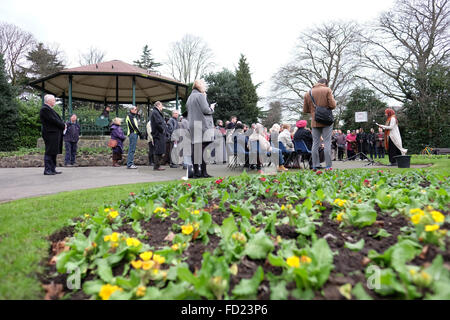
x: 323, y: 97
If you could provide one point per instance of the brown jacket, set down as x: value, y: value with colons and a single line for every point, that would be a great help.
x: 323, y: 98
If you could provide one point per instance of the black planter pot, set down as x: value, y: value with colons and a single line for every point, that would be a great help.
x: 403, y: 161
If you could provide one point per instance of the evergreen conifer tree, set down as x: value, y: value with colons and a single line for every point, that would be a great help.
x: 247, y: 90
x: 146, y: 61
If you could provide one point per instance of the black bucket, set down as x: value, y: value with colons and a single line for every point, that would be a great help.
x: 403, y: 161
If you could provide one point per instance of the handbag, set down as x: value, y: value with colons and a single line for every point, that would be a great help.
x: 323, y: 115
x: 112, y: 143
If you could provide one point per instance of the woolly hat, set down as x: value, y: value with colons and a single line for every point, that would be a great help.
x: 301, y: 123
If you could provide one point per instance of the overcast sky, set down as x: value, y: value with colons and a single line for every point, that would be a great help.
x: 264, y: 31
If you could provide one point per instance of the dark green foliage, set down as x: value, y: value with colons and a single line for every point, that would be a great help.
x: 43, y: 62
x: 247, y: 91
x: 428, y: 111
x: 223, y: 89
x: 363, y: 99
x: 29, y: 123
x: 8, y: 112
x: 146, y: 61
x: 273, y: 115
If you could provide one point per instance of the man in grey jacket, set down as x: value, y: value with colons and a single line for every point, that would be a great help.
x: 201, y: 126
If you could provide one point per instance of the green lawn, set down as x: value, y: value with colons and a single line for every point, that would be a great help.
x: 25, y: 225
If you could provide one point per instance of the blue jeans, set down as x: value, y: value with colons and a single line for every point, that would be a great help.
x: 131, y: 149
x: 280, y: 155
x: 71, y: 152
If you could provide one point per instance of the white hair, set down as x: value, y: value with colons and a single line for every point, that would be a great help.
x: 48, y: 97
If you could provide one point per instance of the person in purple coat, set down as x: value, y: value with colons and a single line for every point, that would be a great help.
x: 117, y: 134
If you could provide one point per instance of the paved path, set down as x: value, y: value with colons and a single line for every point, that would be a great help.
x: 16, y: 183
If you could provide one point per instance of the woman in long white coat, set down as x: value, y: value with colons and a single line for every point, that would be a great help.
x: 392, y: 138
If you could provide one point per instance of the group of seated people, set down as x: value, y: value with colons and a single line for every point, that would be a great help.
x: 262, y: 142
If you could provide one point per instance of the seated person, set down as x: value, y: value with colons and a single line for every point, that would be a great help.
x: 264, y: 146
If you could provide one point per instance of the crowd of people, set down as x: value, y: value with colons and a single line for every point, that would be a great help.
x: 181, y: 140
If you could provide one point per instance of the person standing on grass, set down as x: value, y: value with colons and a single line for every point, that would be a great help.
x: 392, y: 138
x: 71, y: 137
x: 324, y: 98
x: 133, y: 133
x: 159, y: 132
x: 52, y: 133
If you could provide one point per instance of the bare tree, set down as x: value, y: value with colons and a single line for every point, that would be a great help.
x: 14, y: 46
x: 327, y: 51
x: 92, y: 56
x: 405, y: 43
x: 189, y: 59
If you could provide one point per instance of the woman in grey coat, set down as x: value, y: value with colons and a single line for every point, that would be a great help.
x: 201, y: 126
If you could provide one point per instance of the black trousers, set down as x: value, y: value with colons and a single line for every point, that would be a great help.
x: 203, y: 163
x: 340, y: 153
x: 49, y: 163
x: 151, y: 148
x: 393, y: 151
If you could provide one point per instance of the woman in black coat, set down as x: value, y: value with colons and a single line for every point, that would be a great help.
x: 159, y: 132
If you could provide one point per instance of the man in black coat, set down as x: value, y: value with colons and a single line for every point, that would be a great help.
x: 159, y: 132
x: 52, y: 133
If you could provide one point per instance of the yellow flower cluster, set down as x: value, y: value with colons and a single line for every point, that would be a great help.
x: 318, y: 202
x: 430, y: 218
x: 288, y: 207
x: 340, y: 215
x: 196, y: 212
x: 340, y: 202
x: 422, y: 279
x: 189, y: 228
x: 115, y: 237
x: 107, y: 290
x: 295, y: 261
x: 147, y: 263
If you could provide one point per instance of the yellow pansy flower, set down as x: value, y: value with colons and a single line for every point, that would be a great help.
x: 86, y: 216
x: 416, y: 218
x: 339, y: 216
x: 196, y: 212
x: 305, y: 259
x: 107, y: 210
x: 293, y: 261
x: 107, y: 238
x: 437, y: 216
x: 318, y: 202
x: 114, y: 245
x: 283, y: 207
x: 107, y: 290
x: 187, y: 229
x: 155, y: 271
x: 159, y: 259
x: 159, y: 209
x: 115, y: 236
x: 416, y: 211
x: 141, y: 291
x: 133, y: 242
x: 175, y: 247
x: 136, y: 264
x: 147, y: 265
x: 113, y: 214
x: 147, y: 255
x: 412, y: 272
x: 431, y: 227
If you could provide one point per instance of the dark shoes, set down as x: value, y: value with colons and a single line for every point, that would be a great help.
x: 173, y: 166
x: 49, y: 173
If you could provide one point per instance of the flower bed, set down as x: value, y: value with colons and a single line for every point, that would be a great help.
x: 309, y: 235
